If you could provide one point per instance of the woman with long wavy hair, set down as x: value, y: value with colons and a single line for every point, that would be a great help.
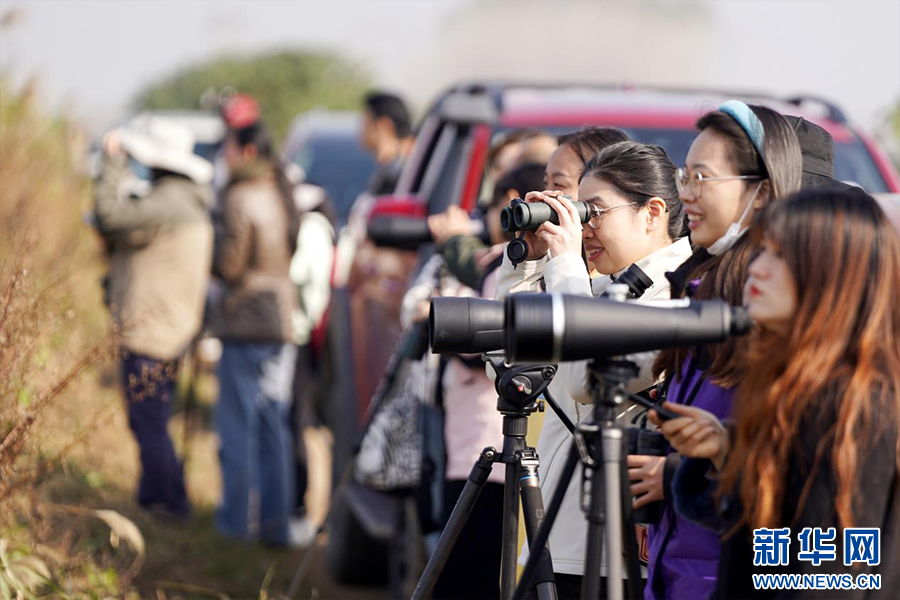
x: 815, y: 443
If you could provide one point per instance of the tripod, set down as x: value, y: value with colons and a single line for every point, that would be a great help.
x: 599, y: 445
x: 517, y: 389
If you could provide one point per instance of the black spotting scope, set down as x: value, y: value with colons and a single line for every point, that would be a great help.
x: 408, y: 233
x: 465, y: 325
x: 561, y: 327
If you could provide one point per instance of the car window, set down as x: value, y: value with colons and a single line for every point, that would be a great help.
x: 447, y: 187
x: 852, y: 162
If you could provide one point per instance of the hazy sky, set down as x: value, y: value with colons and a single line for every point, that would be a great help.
x: 95, y: 55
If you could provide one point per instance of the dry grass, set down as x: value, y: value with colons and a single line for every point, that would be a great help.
x: 69, y: 527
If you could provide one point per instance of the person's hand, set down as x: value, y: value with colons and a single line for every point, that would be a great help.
x: 646, y: 476
x: 697, y: 433
x: 455, y: 221
x: 565, y: 237
x: 112, y: 146
x: 421, y: 311
x: 537, y: 246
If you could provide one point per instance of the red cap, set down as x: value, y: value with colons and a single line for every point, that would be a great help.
x: 240, y: 111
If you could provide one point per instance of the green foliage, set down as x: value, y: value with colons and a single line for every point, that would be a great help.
x: 286, y: 83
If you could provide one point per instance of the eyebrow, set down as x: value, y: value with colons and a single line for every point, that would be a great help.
x: 698, y: 165
x: 557, y: 174
x: 592, y: 199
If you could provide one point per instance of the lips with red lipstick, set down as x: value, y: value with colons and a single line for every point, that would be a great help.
x: 753, y: 291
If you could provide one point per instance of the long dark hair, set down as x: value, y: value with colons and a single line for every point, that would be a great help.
x: 843, y: 347
x: 640, y: 172
x: 723, y: 276
x: 587, y: 142
x: 258, y: 135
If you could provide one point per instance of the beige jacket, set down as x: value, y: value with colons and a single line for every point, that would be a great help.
x: 161, y: 250
x: 566, y: 274
x: 253, y: 258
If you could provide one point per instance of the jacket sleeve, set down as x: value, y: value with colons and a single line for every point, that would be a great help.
x: 311, y: 265
x: 233, y: 249
x: 524, y: 278
x: 421, y: 290
x: 162, y: 206
x: 461, y: 258
x: 566, y: 274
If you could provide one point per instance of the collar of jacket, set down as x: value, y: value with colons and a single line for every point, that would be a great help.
x: 257, y: 169
x: 656, y: 264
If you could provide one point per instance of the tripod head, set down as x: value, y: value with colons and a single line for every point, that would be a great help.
x: 611, y: 375
x: 519, y: 386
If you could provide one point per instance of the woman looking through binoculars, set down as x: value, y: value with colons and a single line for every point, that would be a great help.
x: 636, y: 218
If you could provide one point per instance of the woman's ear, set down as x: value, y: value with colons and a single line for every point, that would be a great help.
x: 656, y: 213
x: 764, y: 194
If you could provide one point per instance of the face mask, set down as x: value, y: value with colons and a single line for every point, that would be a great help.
x: 734, y: 231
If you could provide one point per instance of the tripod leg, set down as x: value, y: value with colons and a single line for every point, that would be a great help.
x: 632, y: 565
x: 508, y: 558
x: 533, y: 509
x: 590, y: 585
x: 543, y: 532
x: 461, y: 511
x: 613, y: 441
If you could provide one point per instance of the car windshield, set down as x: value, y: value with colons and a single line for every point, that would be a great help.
x: 852, y: 162
x: 337, y: 163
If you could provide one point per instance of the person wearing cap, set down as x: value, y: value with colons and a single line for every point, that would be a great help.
x: 817, y: 150
x: 160, y: 254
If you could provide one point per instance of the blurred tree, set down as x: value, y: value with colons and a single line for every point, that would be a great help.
x: 893, y: 122
x: 285, y: 83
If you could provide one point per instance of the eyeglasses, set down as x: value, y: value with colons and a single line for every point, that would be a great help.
x: 695, y: 181
x: 597, y: 214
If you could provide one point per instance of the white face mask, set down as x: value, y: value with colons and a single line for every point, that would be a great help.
x: 734, y: 231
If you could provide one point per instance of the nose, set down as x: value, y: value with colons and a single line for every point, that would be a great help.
x: 686, y: 196
x: 587, y: 231
x: 757, y: 267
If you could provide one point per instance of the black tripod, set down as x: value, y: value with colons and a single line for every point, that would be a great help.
x: 600, y: 446
x: 517, y: 389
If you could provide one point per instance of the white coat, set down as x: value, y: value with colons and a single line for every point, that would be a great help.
x: 566, y: 274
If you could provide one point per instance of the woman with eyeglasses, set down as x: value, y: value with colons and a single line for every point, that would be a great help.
x: 636, y: 219
x: 743, y: 158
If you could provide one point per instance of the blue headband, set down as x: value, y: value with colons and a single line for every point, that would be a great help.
x: 748, y: 121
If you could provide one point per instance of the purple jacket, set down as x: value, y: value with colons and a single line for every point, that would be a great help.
x: 684, y: 557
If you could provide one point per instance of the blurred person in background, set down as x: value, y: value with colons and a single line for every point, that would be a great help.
x: 744, y: 158
x: 814, y: 442
x: 310, y: 272
x: 254, y: 320
x: 536, y: 148
x: 387, y: 134
x: 466, y: 255
x: 471, y: 421
x: 503, y: 154
x: 160, y: 253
